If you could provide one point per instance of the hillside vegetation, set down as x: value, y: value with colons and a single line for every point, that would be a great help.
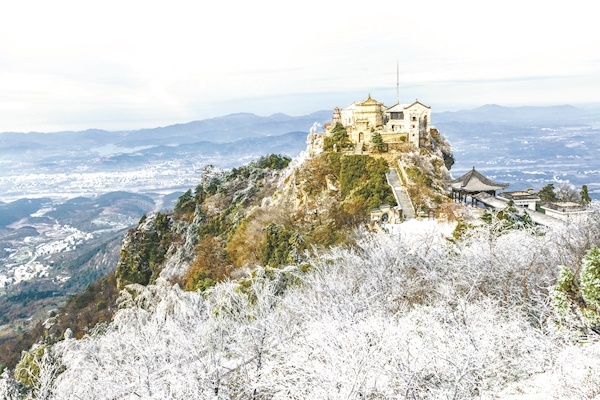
x: 264, y: 283
x: 259, y: 214
x: 263, y: 213
x: 415, y: 315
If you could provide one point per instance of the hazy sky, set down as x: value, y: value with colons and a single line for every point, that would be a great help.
x: 131, y: 64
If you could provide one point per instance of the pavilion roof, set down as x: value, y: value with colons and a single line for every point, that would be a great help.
x: 474, y: 181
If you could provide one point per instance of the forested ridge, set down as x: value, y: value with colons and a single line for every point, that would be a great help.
x: 265, y: 283
x: 223, y: 227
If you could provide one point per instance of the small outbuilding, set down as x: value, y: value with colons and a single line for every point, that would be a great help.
x: 526, y: 199
x: 565, y: 210
x: 386, y: 214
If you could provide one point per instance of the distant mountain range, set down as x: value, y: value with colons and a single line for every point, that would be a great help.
x: 165, y: 159
x: 562, y: 114
x: 234, y: 127
x: 539, y: 144
x: 229, y: 128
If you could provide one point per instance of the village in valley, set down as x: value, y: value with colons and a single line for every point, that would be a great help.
x: 369, y: 127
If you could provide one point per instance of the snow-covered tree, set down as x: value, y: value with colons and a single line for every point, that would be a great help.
x: 567, y: 192
x: 411, y: 315
x: 9, y: 388
x: 576, y: 300
x: 590, y: 278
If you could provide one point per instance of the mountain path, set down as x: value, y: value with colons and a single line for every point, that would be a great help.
x: 400, y: 193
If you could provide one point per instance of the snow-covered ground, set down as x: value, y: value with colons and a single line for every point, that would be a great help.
x: 169, y: 175
x: 65, y: 238
x: 401, y: 315
x: 416, y: 231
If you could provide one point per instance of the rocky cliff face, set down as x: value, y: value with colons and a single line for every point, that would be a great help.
x: 428, y: 171
x: 274, y: 210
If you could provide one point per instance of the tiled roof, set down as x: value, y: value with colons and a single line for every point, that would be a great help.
x: 519, y: 196
x: 474, y: 181
x: 369, y: 100
x: 397, y: 107
x: 417, y: 102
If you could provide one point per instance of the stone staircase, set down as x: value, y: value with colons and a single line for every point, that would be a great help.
x: 401, y: 194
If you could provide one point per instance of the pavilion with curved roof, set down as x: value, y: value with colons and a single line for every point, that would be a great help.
x: 473, y: 183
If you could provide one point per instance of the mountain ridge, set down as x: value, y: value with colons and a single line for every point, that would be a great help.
x: 517, y: 114
x: 229, y: 121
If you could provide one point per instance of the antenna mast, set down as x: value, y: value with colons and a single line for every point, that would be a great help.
x: 397, y: 83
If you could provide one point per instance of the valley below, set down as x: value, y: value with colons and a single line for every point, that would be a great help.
x: 51, y: 249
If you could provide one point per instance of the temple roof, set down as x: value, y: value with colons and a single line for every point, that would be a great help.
x: 368, y: 101
x: 474, y: 181
x: 417, y: 102
x: 397, y: 107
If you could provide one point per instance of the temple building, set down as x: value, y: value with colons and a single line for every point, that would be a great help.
x: 410, y: 118
x: 397, y: 124
x: 472, y: 184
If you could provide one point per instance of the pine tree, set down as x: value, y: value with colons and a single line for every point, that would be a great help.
x: 547, y: 193
x: 377, y: 141
x: 508, y: 218
x: 185, y: 203
x: 590, y: 277
x: 585, y: 197
x: 339, y: 137
x: 577, y: 302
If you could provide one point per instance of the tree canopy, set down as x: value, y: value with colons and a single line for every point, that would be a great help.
x: 339, y: 138
x: 547, y: 193
x: 377, y: 141
x: 585, y: 196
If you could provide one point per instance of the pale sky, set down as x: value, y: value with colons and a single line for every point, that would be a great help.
x: 128, y: 64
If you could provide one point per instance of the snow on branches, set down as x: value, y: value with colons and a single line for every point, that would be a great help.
x: 395, y: 316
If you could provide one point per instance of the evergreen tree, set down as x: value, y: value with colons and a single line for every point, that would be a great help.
x: 577, y: 301
x: 585, y: 197
x: 508, y: 218
x: 282, y: 246
x: 377, y: 141
x: 590, y: 278
x: 547, y: 193
x: 339, y: 137
x: 185, y: 203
